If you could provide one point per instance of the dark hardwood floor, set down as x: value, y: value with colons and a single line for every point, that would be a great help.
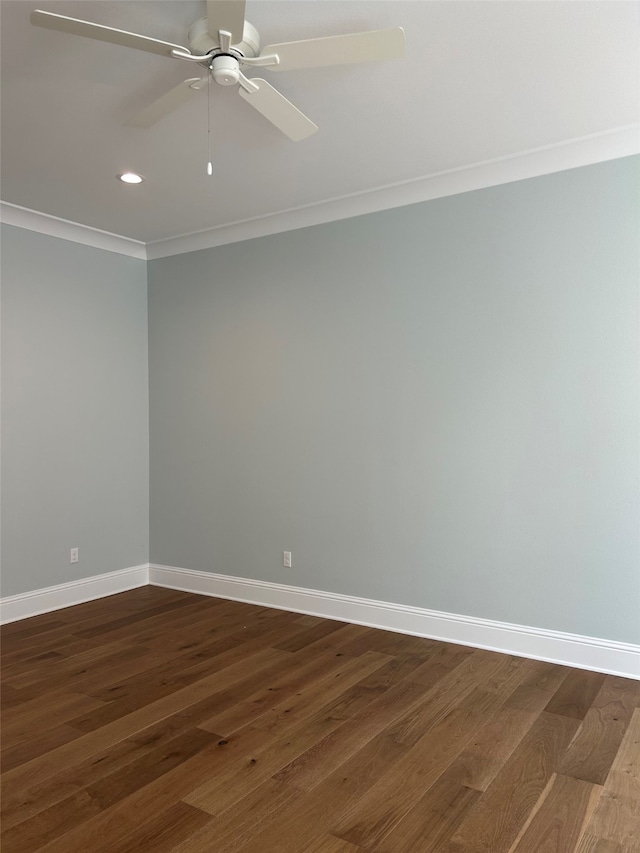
x: 163, y: 721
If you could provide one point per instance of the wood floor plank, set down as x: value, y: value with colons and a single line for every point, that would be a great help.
x: 218, y: 652
x: 97, y: 628
x: 308, y: 621
x: 48, y: 710
x: 388, y: 643
x: 21, y: 804
x: 10, y: 697
x: 105, y: 608
x: 429, y: 824
x: 357, y: 699
x: 161, y: 833
x: 538, y: 687
x: 592, y: 844
x: 388, y: 802
x: 442, y: 659
x: 227, y: 788
x: 308, y: 819
x: 499, y: 675
x: 483, y: 758
x: 77, y: 659
x: 496, y: 819
x: 30, y: 627
x: 185, y: 630
x: 617, y: 816
x: 299, y: 674
x: 310, y: 635
x: 101, y: 794
x: 110, y: 828
x: 49, y: 824
x: 40, y: 744
x: 114, y: 765
x: 20, y: 654
x: 160, y: 610
x: 331, y: 844
x: 112, y: 606
x: 157, y: 720
x: 170, y: 676
x: 236, y: 826
x: 200, y: 629
x: 49, y: 644
x: 124, y: 662
x: 114, y: 732
x: 118, y: 785
x: 558, y: 824
x: 598, y: 740
x: 323, y: 696
x: 575, y: 695
x: 339, y: 639
x: 312, y: 765
x: 160, y: 687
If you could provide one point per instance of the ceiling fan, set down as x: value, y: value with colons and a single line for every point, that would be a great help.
x: 227, y: 45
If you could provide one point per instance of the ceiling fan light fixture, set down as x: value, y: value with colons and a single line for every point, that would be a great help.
x: 130, y: 178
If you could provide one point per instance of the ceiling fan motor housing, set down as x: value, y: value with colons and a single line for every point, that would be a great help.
x: 201, y: 42
x: 225, y: 70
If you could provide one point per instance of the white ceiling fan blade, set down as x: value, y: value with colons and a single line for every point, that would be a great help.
x: 167, y: 103
x: 278, y: 110
x: 226, y: 15
x: 75, y: 27
x: 338, y: 50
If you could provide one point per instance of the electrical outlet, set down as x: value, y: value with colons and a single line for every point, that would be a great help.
x: 286, y: 559
x: 74, y: 554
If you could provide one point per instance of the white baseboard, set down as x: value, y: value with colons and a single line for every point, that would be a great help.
x: 558, y: 647
x: 26, y: 604
x: 573, y: 650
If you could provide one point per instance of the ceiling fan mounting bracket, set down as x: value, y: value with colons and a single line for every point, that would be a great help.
x: 201, y: 42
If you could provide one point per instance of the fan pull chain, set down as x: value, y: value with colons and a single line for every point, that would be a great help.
x: 209, y: 163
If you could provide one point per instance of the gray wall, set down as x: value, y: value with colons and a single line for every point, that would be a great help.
x: 75, y: 455
x: 436, y: 405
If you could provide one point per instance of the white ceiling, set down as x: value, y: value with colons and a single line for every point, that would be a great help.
x: 481, y: 80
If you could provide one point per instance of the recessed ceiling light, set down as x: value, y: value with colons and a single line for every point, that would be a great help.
x: 130, y: 178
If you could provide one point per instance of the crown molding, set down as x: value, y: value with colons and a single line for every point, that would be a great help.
x: 559, y: 157
x: 53, y: 226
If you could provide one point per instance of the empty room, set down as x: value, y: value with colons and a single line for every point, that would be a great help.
x: 320, y: 407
